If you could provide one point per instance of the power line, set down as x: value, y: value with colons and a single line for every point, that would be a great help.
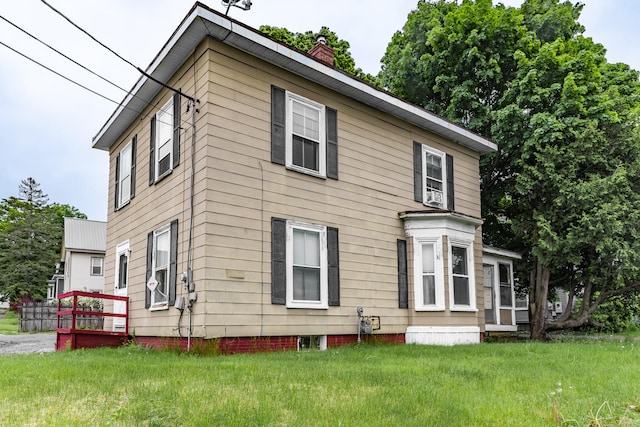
x: 79, y: 84
x: 116, y: 54
x: 58, y: 74
x: 93, y: 38
x: 62, y: 54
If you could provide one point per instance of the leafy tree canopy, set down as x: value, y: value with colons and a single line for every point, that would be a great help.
x: 562, y: 187
x: 30, y: 241
x: 305, y: 41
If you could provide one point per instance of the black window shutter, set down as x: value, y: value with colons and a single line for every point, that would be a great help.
x: 332, y: 142
x: 134, y: 146
x: 278, y: 125
x: 333, y: 264
x: 176, y: 130
x: 403, y: 284
x: 278, y: 261
x: 417, y: 172
x: 173, y: 261
x: 117, y: 199
x: 147, y: 292
x: 152, y: 152
x: 450, y: 191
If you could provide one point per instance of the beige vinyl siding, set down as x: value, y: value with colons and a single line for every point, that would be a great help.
x: 238, y: 190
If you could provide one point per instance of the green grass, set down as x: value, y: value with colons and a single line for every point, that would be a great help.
x: 10, y: 324
x: 593, y: 383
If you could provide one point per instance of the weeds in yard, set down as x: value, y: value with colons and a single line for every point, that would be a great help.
x: 369, y: 384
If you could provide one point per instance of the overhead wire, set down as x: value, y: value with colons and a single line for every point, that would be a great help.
x: 58, y: 74
x: 127, y: 92
x: 140, y: 70
x: 62, y: 54
x: 87, y: 33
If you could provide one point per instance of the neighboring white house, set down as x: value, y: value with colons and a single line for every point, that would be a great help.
x: 82, y: 259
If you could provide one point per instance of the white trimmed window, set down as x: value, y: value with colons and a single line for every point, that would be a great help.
x: 124, y: 181
x: 429, y: 276
x: 306, y: 253
x: 506, y: 285
x: 306, y: 143
x: 461, y: 277
x: 164, y: 140
x: 434, y: 177
x: 96, y: 265
x: 160, y: 267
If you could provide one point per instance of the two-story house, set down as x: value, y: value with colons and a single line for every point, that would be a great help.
x: 81, y: 266
x: 259, y: 196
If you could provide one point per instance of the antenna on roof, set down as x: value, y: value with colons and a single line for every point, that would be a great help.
x: 244, y: 5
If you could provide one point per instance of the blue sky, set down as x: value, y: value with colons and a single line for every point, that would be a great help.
x: 48, y: 123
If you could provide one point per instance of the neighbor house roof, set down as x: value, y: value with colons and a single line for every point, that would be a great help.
x: 83, y: 235
x: 204, y: 22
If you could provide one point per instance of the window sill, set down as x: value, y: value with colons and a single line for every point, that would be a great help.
x: 433, y: 308
x: 123, y: 205
x: 467, y: 309
x: 308, y: 305
x: 159, y: 307
x: 163, y: 176
x: 309, y: 172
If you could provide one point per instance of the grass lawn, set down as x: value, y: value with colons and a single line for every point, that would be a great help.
x: 10, y: 324
x: 586, y: 383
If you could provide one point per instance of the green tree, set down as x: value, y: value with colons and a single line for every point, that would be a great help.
x: 30, y: 241
x: 561, y: 188
x: 305, y: 41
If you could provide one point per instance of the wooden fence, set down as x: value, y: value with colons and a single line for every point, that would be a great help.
x: 42, y: 317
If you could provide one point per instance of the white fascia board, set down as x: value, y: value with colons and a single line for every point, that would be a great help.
x: 503, y: 253
x: 202, y: 22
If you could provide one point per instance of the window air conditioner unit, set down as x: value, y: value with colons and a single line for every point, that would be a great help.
x: 434, y: 196
x: 558, y: 307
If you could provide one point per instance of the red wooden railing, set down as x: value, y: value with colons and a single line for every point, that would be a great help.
x: 73, y: 338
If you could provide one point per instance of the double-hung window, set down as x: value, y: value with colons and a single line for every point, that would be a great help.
x: 164, y: 139
x: 96, y: 265
x: 461, y: 277
x: 428, y: 278
x: 506, y: 285
x: 306, y: 141
x: 304, y: 134
x: 433, y: 177
x: 305, y: 270
x: 161, y: 266
x: 164, y: 154
x: 125, y: 183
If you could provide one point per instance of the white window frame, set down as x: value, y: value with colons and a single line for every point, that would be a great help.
x: 124, y: 175
x: 324, y: 291
x: 160, y: 305
x: 122, y: 249
x: 292, y: 98
x: 164, y: 121
x: 438, y: 263
x: 425, y: 190
x: 468, y: 245
x: 511, y: 287
x: 101, y: 261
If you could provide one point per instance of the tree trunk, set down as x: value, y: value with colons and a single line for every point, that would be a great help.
x: 539, y: 290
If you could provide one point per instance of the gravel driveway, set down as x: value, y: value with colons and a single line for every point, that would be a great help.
x: 27, y: 343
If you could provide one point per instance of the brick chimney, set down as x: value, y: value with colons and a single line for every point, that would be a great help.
x: 322, y: 52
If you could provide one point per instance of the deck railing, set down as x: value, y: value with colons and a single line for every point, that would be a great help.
x: 74, y: 337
